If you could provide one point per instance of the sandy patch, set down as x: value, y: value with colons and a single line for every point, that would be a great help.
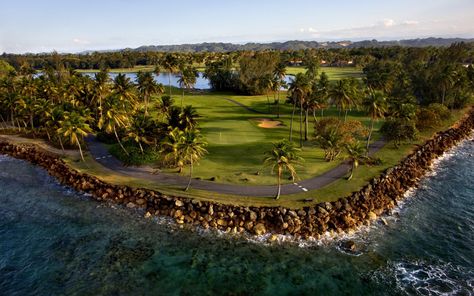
x: 269, y: 123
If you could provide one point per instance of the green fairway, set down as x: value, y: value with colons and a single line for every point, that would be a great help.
x: 334, y: 73
x: 236, y: 143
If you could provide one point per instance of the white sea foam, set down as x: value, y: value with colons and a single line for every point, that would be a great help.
x: 432, y: 279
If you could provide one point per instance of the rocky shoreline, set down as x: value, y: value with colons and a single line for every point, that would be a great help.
x: 378, y: 197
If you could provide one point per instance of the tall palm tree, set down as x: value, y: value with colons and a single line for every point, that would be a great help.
x: 124, y: 90
x: 52, y: 124
x: 376, y: 105
x: 343, y: 95
x: 101, y: 89
x: 114, y: 117
x: 283, y: 156
x: 266, y: 83
x: 187, y: 79
x: 137, y: 131
x: 312, y: 66
x: 169, y: 63
x: 192, y: 147
x: 445, y: 79
x: 355, y: 151
x: 279, y: 73
x: 299, y: 88
x: 147, y: 87
x: 75, y: 127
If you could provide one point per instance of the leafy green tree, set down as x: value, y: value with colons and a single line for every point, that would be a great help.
x: 399, y: 130
x: 283, y: 156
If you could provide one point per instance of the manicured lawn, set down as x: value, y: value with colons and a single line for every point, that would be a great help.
x: 334, y: 73
x: 236, y: 143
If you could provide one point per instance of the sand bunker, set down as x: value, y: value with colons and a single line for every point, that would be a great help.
x: 269, y: 123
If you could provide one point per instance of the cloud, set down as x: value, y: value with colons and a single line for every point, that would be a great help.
x: 384, y: 29
x: 80, y: 41
x: 410, y: 23
x: 388, y: 23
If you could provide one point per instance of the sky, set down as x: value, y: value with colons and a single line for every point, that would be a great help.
x: 75, y: 26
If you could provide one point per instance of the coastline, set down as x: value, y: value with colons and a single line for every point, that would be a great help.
x: 378, y: 197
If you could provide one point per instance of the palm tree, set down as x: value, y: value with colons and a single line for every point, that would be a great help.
x: 279, y: 73
x: 124, y: 90
x: 299, y: 88
x: 356, y: 152
x: 114, y: 117
x: 55, y: 116
x: 147, y: 87
x: 192, y: 147
x: 137, y: 131
x: 187, y: 79
x: 169, y: 63
x: 343, y: 95
x: 283, y: 156
x: 323, y: 86
x: 165, y: 105
x: 312, y: 66
x: 445, y: 79
x: 188, y: 117
x: 101, y: 89
x: 75, y: 127
x: 266, y: 83
x: 376, y: 105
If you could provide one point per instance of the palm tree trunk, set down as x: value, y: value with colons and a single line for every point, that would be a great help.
x: 278, y: 183
x: 118, y: 140
x: 345, y: 115
x: 47, y: 134
x: 322, y: 113
x: 352, y: 171
x: 141, y: 147
x: 370, y: 135
x: 61, y: 143
x: 190, y: 175
x: 291, y: 121
x: 314, y: 116
x: 182, y: 97
x: 4, y: 123
x: 146, y: 105
x: 301, y: 123
x: 268, y: 104
x: 306, y: 125
x: 169, y: 82
x: 80, y: 149
x: 278, y: 105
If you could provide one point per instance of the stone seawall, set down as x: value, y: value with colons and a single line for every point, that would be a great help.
x: 379, y: 196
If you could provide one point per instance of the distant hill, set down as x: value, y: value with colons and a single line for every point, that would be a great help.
x: 297, y: 45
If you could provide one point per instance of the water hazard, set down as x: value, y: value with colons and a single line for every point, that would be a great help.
x: 56, y: 241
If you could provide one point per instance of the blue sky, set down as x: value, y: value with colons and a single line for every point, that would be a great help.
x: 73, y: 26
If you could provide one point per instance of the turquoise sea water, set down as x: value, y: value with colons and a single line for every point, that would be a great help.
x: 54, y: 241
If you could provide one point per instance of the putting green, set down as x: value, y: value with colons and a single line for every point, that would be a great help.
x: 231, y: 132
